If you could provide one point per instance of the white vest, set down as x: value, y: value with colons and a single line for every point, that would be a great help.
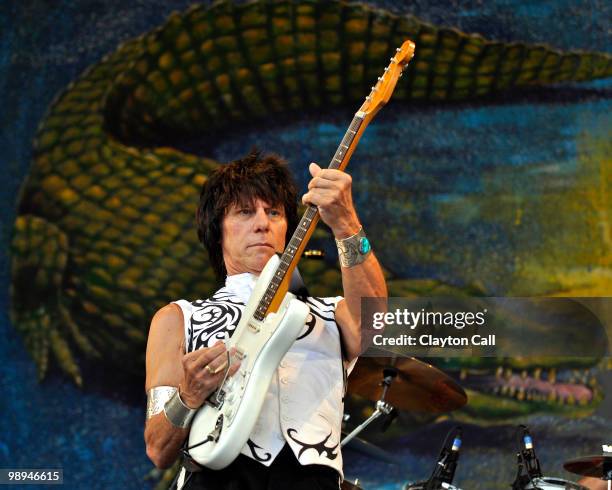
x: 304, y: 403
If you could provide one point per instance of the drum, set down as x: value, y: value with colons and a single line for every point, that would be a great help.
x: 348, y: 485
x: 551, y: 483
x: 421, y: 486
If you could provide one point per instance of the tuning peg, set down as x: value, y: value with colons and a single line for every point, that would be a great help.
x: 373, y: 89
x: 386, y: 68
x: 379, y: 79
x: 397, y: 49
x: 368, y: 98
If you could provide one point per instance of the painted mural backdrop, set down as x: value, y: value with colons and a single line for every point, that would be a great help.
x: 488, y: 174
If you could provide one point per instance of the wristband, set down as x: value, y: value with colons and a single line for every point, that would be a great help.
x: 177, y: 413
x: 354, y: 249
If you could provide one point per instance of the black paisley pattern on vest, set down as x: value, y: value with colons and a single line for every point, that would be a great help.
x: 214, y: 319
x: 325, y: 310
x: 253, y: 448
x: 329, y: 452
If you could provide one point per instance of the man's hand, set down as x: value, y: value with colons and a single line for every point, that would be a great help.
x: 203, y: 371
x: 330, y: 191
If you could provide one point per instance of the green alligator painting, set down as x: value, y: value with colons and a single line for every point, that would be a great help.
x: 104, y: 234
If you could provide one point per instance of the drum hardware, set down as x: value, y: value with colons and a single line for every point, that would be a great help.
x: 348, y: 485
x: 421, y: 486
x: 444, y: 470
x: 593, y: 466
x: 550, y: 483
x: 417, y: 387
x: 382, y: 407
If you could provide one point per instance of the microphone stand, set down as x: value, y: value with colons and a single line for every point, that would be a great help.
x: 444, y: 471
x: 527, y: 460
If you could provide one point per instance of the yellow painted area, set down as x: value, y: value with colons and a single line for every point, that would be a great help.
x: 97, y: 192
x: 133, y: 308
x: 151, y: 219
x: 75, y: 147
x: 201, y: 29
x: 141, y: 230
x: 113, y: 202
x: 180, y: 249
x: 141, y: 201
x: 166, y: 61
x: 177, y: 77
x: 115, y: 262
x: 53, y: 183
x: 101, y: 293
x: 186, y: 95
x: 182, y: 41
x: 158, y: 81
x: 305, y: 23
x: 90, y: 308
x: 135, y: 335
x: 254, y: 35
x: 126, y: 283
x: 67, y: 196
x: 356, y: 26
x: 100, y: 169
x: 113, y: 320
x: 224, y: 22
x: 199, y: 179
x: 281, y: 24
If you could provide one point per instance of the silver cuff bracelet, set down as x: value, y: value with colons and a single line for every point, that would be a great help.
x: 354, y: 249
x: 177, y: 413
x: 157, y: 398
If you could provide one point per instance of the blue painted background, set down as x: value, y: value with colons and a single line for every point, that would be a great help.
x: 95, y: 434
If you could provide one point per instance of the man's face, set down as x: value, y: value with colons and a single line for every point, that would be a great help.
x: 250, y: 235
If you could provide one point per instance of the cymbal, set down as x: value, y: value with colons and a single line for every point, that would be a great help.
x: 418, y: 386
x: 595, y: 466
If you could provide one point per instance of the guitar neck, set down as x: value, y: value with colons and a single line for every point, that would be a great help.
x: 380, y: 94
x: 293, y: 252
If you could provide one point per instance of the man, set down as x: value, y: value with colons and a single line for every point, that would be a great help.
x: 247, y: 212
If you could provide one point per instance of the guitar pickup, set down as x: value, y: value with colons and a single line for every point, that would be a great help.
x: 254, y: 328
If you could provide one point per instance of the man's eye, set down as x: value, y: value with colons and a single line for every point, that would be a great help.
x: 275, y: 212
x: 245, y: 211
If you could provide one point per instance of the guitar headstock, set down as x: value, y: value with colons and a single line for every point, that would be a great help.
x: 381, y: 92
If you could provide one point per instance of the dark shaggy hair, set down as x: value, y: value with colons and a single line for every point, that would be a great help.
x: 241, y: 182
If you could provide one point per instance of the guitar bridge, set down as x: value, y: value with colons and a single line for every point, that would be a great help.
x: 216, y: 398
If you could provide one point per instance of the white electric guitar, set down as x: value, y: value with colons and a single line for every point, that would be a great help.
x: 273, y: 317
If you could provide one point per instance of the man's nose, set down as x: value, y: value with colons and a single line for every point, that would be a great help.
x: 261, y: 220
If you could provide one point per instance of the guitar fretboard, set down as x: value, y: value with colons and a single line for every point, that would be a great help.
x: 289, y: 255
